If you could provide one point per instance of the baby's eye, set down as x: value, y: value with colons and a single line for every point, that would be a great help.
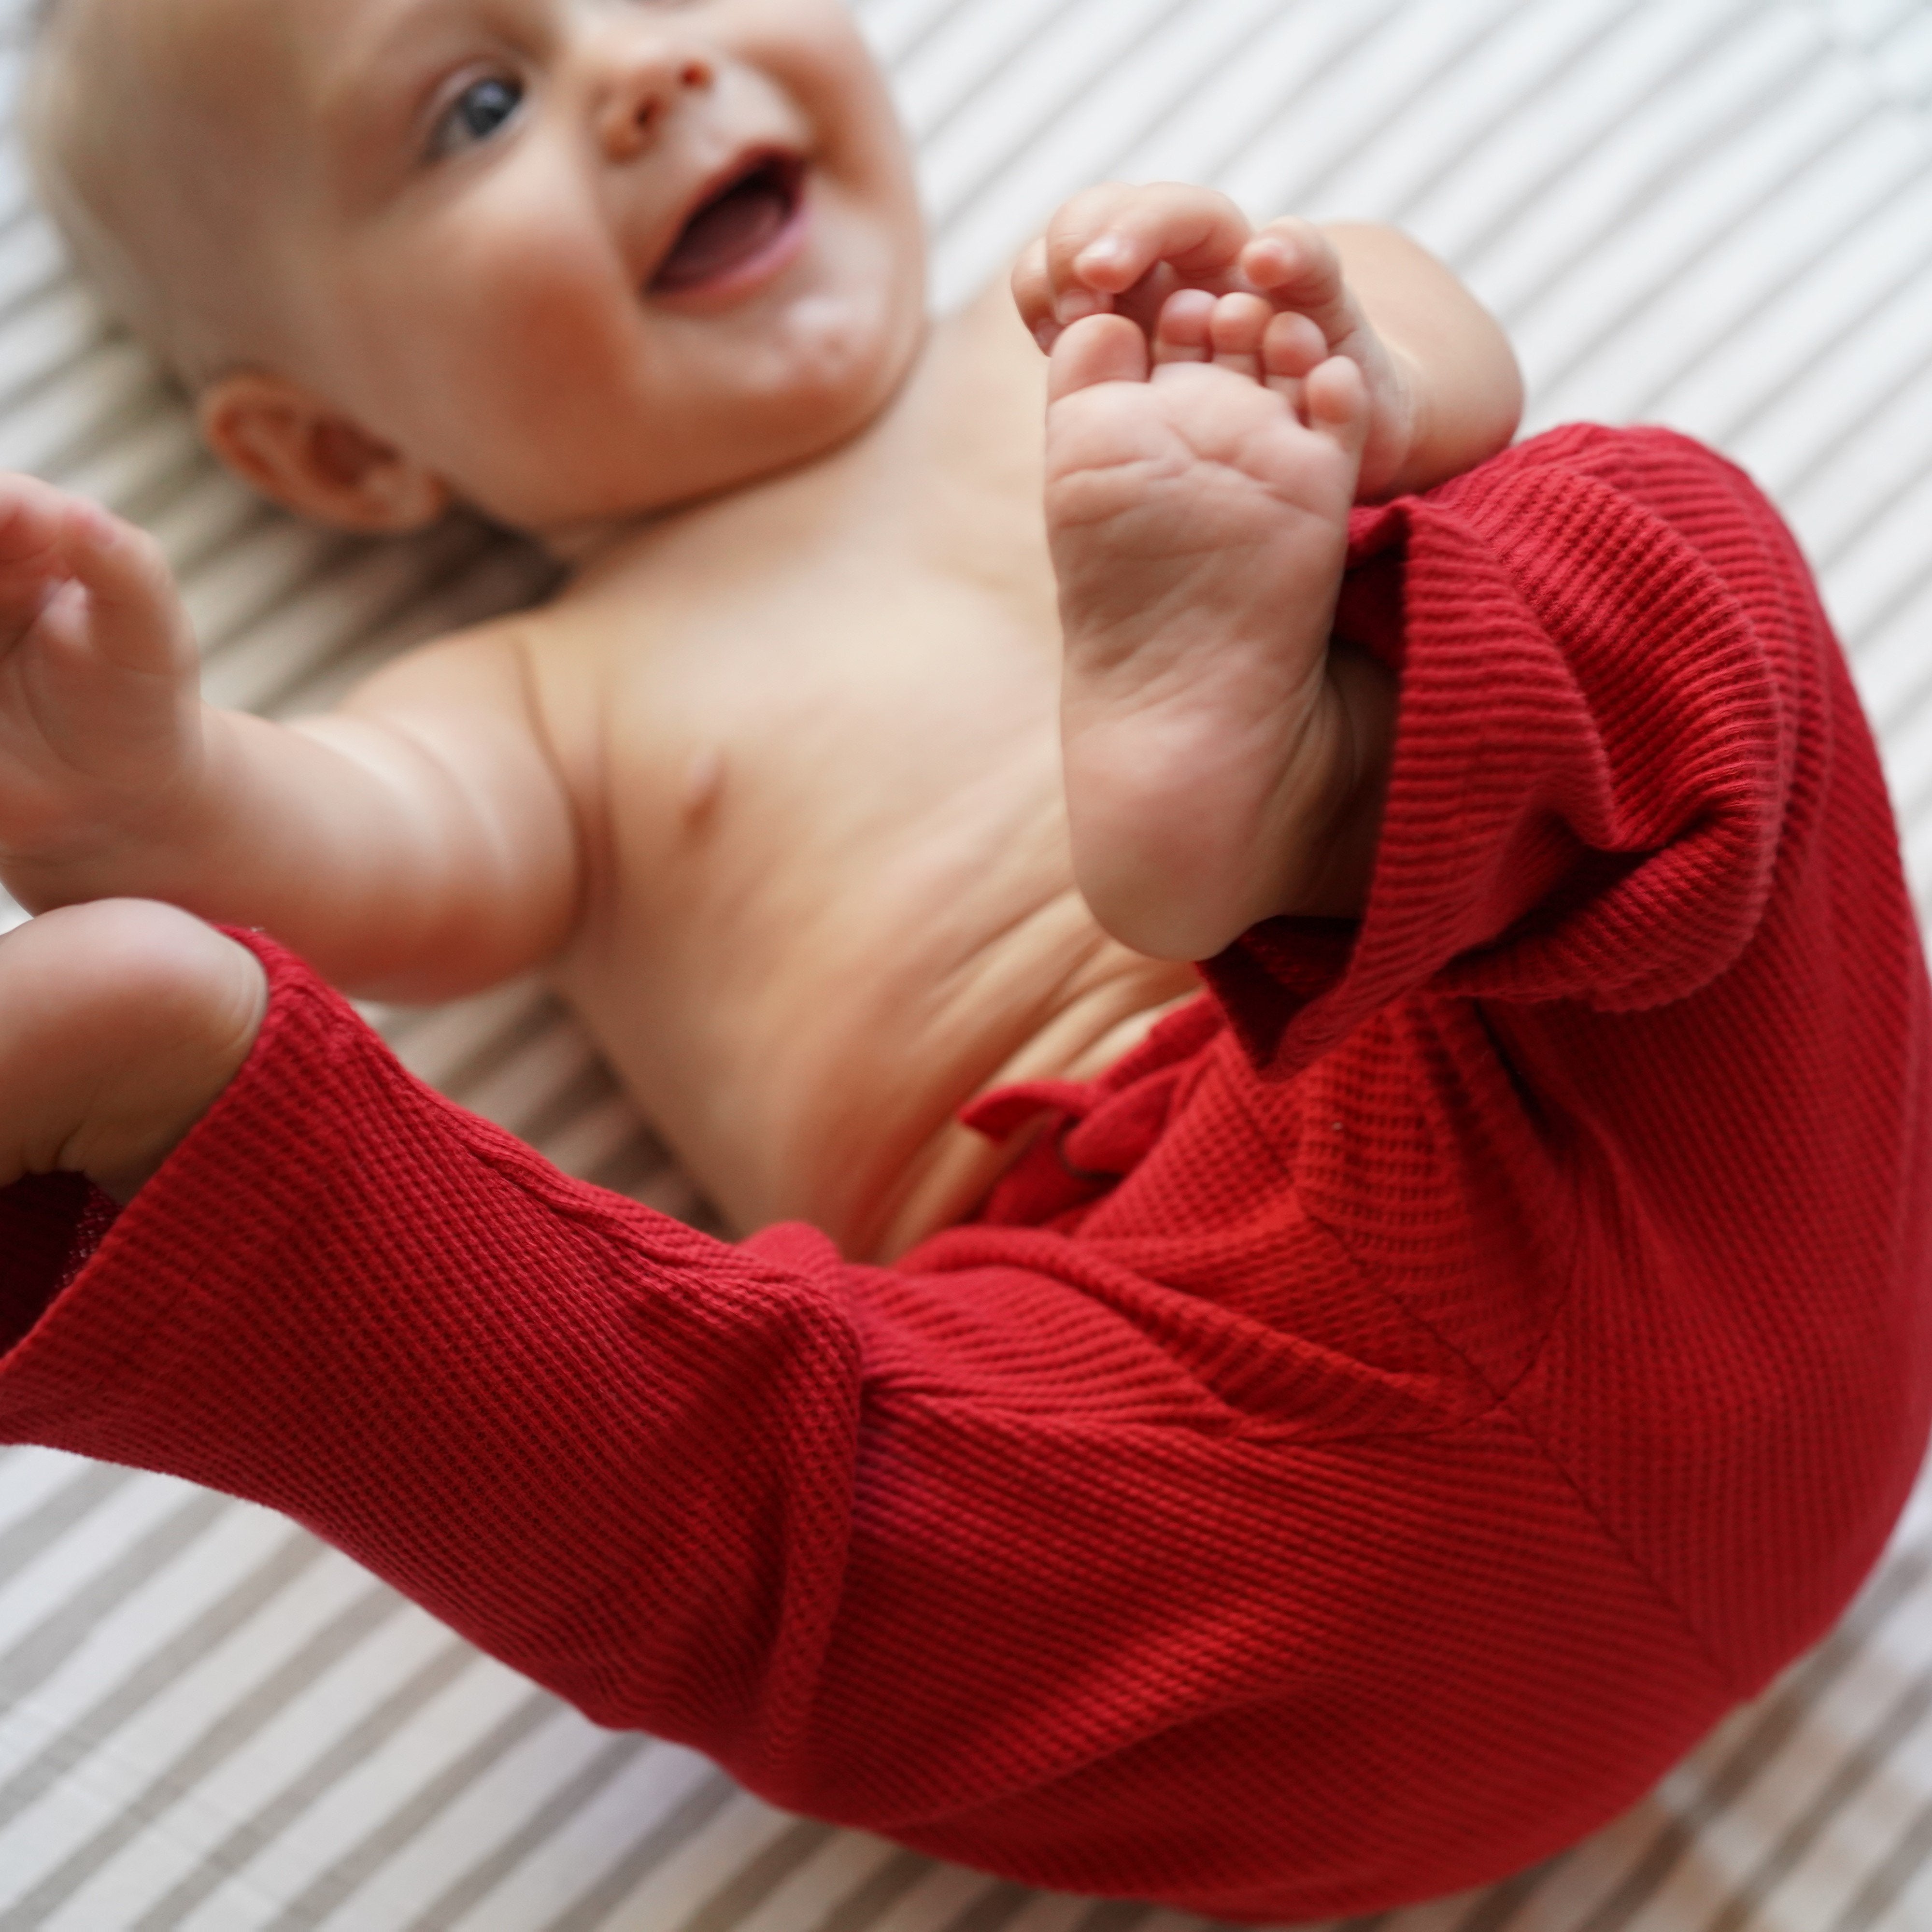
x: 475, y: 114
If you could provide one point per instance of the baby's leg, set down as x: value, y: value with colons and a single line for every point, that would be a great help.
x: 1223, y: 763
x: 120, y: 1021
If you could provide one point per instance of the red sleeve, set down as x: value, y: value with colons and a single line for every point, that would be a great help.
x: 1609, y: 663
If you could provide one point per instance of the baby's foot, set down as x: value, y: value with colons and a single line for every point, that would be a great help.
x: 120, y: 1021
x: 1221, y: 762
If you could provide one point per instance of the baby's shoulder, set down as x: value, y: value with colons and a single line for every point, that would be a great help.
x: 484, y: 670
x: 493, y: 699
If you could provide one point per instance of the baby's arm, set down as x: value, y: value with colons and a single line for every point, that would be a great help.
x: 1444, y: 392
x: 416, y: 844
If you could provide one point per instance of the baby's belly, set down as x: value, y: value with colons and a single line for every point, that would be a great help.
x: 804, y: 1043
x: 840, y: 899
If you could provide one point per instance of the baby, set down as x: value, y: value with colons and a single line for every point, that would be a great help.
x: 1283, y: 1451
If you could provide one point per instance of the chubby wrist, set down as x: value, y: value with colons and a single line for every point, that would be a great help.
x: 145, y: 841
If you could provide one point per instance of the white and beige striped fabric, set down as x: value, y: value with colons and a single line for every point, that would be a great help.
x: 1716, y: 214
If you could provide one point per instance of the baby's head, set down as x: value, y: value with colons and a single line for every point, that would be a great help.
x: 565, y: 260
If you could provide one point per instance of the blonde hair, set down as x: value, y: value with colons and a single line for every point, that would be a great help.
x: 143, y: 235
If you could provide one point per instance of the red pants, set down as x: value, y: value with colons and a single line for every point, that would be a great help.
x: 1368, y: 1437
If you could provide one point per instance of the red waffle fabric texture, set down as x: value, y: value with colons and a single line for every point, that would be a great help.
x: 1371, y: 1434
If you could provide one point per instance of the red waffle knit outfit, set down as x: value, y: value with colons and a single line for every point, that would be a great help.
x: 1359, y: 1447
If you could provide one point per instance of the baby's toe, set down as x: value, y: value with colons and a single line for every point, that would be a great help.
x: 1292, y: 348
x: 1099, y: 349
x: 1236, y: 330
x: 1336, y: 405
x: 1182, y: 331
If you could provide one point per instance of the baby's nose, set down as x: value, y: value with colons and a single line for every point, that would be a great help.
x: 641, y: 85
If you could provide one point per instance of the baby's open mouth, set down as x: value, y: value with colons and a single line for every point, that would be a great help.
x: 734, y: 226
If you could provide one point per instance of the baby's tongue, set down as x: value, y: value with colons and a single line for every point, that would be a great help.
x: 724, y: 232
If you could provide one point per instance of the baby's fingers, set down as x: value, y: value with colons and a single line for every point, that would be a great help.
x: 1033, y: 295
x: 33, y: 552
x: 1104, y: 241
x: 135, y: 613
x: 68, y: 564
x: 1295, y: 265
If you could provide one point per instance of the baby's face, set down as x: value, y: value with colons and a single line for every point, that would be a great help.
x: 579, y: 258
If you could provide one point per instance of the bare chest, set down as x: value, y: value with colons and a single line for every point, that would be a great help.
x: 838, y: 660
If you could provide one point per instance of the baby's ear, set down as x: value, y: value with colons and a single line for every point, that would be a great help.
x: 306, y: 455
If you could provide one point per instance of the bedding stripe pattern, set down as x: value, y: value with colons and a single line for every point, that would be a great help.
x: 1716, y: 214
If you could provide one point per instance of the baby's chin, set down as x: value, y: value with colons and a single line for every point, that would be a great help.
x: 835, y: 395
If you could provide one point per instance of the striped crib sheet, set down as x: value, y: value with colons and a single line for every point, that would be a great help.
x: 1716, y: 214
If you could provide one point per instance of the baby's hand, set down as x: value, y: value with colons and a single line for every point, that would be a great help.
x: 100, y: 716
x: 1125, y: 251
